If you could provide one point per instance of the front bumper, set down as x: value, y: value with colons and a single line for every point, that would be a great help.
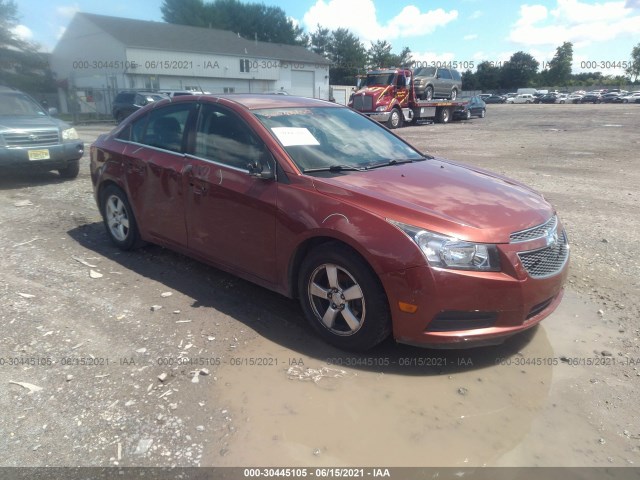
x: 381, y: 117
x: 463, y: 309
x: 59, y: 155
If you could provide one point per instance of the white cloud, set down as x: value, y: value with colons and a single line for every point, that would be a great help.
x: 60, y: 32
x: 471, y: 36
x: 68, y: 11
x: 23, y: 32
x: 574, y: 21
x: 360, y: 17
x: 475, y: 15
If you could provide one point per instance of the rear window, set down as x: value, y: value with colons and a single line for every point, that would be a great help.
x: 456, y: 75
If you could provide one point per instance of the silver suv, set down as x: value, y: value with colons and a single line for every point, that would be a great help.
x: 437, y: 82
x: 31, y: 138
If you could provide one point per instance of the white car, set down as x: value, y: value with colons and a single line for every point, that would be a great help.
x: 562, y: 98
x: 633, y: 97
x: 521, y: 98
x: 574, y: 98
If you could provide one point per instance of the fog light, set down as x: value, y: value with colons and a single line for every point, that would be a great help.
x: 407, y: 307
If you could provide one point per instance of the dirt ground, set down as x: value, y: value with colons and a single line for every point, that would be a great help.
x: 149, y: 358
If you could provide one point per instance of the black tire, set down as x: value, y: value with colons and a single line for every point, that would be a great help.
x: 468, y: 115
x: 118, y: 218
x: 395, y: 119
x: 483, y: 113
x: 428, y: 93
x: 443, y: 115
x: 454, y: 94
x: 71, y: 170
x: 367, y: 320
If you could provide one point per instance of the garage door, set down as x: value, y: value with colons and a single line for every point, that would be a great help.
x: 302, y: 83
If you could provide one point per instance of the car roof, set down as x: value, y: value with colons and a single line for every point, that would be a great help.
x: 254, y: 101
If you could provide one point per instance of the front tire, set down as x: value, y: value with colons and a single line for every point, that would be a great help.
x: 343, y: 299
x: 119, y: 220
x: 71, y: 170
x: 395, y: 119
x: 428, y: 93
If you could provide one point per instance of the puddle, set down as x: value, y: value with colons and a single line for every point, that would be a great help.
x: 513, y: 405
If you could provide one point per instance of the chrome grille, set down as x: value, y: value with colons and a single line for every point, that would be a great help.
x: 547, y: 261
x: 31, y: 138
x: 363, y: 103
x: 535, y: 233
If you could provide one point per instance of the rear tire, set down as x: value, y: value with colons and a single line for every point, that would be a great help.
x: 71, y: 170
x: 443, y: 115
x: 454, y: 94
x: 119, y: 220
x: 343, y: 299
x: 483, y: 113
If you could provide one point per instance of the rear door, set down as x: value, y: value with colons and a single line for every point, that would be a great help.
x: 154, y: 162
x: 444, y: 82
x: 231, y: 215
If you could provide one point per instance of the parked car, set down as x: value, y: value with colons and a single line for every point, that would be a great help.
x: 610, y: 97
x: 495, y: 99
x: 315, y: 201
x: 475, y: 107
x: 522, y: 98
x: 484, y: 96
x: 30, y: 138
x: 562, y: 98
x: 437, y: 82
x: 633, y: 97
x: 128, y: 102
x: 591, y: 97
x: 548, y: 98
x: 575, y: 98
x: 180, y: 93
x: 537, y: 96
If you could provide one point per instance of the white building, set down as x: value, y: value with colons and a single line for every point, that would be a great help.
x: 100, y: 55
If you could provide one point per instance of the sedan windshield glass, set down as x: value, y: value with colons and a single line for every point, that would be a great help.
x: 321, y: 138
x: 12, y: 104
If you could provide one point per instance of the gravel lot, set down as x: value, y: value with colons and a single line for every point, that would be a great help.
x: 144, y: 358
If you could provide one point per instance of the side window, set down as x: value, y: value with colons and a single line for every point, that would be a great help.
x: 166, y: 127
x: 134, y: 132
x: 444, y: 73
x: 223, y: 137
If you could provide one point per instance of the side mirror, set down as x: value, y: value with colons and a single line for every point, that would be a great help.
x: 262, y: 171
x: 53, y: 112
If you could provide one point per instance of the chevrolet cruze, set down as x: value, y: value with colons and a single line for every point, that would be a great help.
x: 315, y: 201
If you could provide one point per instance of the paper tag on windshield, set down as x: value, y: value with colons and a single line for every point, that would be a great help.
x: 291, y: 137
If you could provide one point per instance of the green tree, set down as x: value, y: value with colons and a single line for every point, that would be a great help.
x: 559, y: 72
x: 519, y: 71
x: 348, y: 55
x: 319, y: 41
x: 469, y: 81
x: 379, y: 55
x: 487, y: 76
x: 634, y: 69
x: 250, y: 20
x: 21, y: 64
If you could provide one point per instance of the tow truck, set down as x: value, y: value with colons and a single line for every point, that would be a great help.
x: 388, y: 96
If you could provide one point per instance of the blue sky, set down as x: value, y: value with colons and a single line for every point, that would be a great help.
x: 464, y: 31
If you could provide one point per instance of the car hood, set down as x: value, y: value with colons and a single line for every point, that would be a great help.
x: 443, y: 196
x: 35, y: 122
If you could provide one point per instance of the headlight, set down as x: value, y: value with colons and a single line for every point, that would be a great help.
x: 449, y: 252
x: 70, y: 134
x: 381, y: 108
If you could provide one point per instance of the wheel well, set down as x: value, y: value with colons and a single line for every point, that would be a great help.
x: 101, y: 189
x: 303, y: 250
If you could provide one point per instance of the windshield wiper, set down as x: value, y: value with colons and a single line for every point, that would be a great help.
x: 334, y: 168
x: 395, y: 162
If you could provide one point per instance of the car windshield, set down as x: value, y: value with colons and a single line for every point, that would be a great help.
x: 17, y: 104
x: 426, y: 72
x: 334, y: 138
x: 379, y: 79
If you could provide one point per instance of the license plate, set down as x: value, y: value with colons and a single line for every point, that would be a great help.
x: 39, y: 154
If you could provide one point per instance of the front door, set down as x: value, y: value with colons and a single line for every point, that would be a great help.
x: 231, y: 215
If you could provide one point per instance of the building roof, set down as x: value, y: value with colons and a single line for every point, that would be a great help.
x: 182, y: 38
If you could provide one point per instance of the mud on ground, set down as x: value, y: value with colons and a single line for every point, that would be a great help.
x: 148, y: 358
